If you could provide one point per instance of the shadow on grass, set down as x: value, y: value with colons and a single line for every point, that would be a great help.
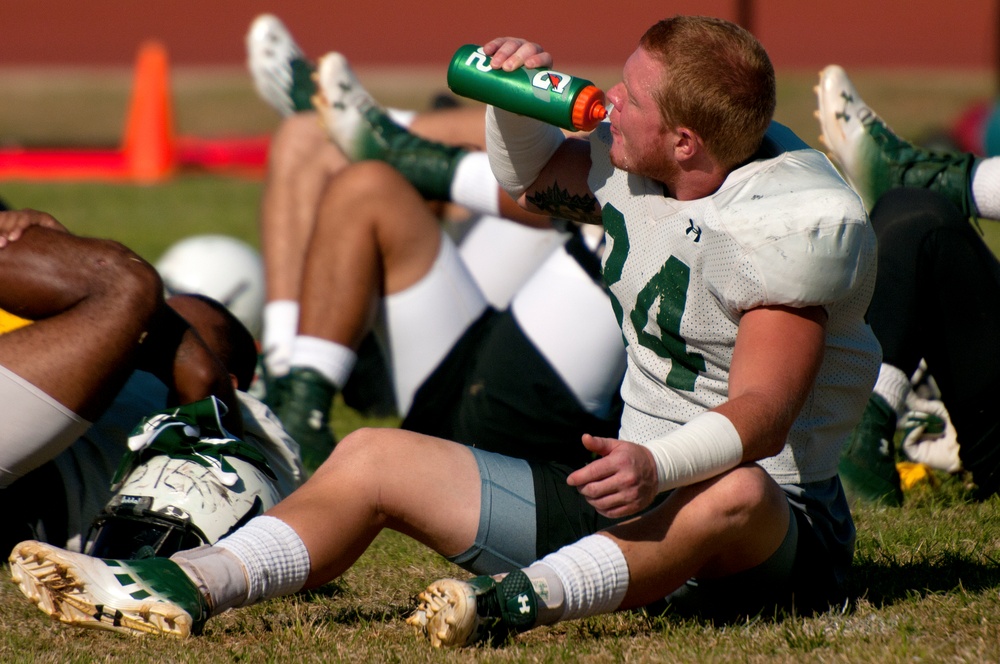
x: 354, y: 615
x: 331, y: 590
x: 885, y: 581
x: 364, y: 615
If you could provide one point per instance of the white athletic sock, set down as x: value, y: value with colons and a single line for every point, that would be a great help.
x: 474, y: 186
x: 219, y: 575
x: 274, y: 559
x: 549, y: 592
x: 334, y: 361
x: 593, y: 574
x: 893, y: 385
x: 403, y: 117
x: 986, y: 187
x: 281, y: 323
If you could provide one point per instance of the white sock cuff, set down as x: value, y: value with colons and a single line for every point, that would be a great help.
x: 986, y: 187
x: 474, y: 186
x: 893, y: 385
x: 403, y: 117
x: 281, y: 324
x: 594, y: 575
x: 273, y: 556
x: 334, y: 361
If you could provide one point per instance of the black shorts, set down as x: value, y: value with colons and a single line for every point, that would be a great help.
x: 562, y: 515
x: 495, y: 391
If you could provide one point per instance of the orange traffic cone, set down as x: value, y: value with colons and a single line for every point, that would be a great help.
x: 148, y: 144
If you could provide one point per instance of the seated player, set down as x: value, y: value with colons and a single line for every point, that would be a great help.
x: 938, y: 292
x: 740, y: 412
x: 375, y: 252
x: 302, y: 160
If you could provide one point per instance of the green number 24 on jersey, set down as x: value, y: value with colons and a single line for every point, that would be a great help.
x: 668, y: 286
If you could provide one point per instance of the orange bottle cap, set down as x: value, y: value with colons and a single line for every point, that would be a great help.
x: 589, y: 109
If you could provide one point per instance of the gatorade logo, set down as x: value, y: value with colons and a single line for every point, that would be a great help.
x: 551, y: 80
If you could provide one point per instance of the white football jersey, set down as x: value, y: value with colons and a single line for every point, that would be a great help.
x: 784, y: 229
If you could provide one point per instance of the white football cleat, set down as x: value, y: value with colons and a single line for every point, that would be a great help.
x: 842, y: 118
x: 362, y: 129
x: 148, y: 596
x: 343, y: 104
x: 874, y: 159
x: 281, y: 73
x: 453, y: 613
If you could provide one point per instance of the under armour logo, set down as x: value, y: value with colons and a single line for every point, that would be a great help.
x: 843, y: 115
x: 345, y: 87
x: 522, y: 601
x: 693, y: 229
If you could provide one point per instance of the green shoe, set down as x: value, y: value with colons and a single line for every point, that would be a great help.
x: 460, y: 613
x: 304, y: 398
x: 363, y: 130
x: 150, y: 596
x: 281, y: 73
x: 868, y: 460
x: 874, y: 159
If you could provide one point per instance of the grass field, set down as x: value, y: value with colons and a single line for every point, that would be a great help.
x: 927, y: 576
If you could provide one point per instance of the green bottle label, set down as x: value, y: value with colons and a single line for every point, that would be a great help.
x: 544, y: 94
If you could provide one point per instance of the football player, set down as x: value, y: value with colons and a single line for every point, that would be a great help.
x: 78, y: 480
x: 936, y: 298
x: 741, y: 266
x: 99, y: 314
x: 444, y: 323
x: 302, y: 160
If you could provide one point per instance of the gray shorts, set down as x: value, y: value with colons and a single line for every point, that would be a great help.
x: 808, y: 569
x: 36, y: 427
x: 505, y: 540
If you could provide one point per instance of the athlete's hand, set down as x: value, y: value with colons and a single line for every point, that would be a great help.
x: 510, y: 53
x: 14, y: 222
x: 622, y: 482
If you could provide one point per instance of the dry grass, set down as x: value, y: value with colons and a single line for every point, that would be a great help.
x: 925, y: 590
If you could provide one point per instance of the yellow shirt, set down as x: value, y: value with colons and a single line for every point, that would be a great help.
x: 10, y: 322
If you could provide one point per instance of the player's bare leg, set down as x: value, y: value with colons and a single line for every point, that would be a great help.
x: 377, y: 478
x: 366, y: 245
x: 300, y: 164
x: 374, y: 236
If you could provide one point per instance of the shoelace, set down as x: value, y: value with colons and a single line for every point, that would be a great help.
x: 192, y: 432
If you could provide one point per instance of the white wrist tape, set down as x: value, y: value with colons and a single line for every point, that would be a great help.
x: 519, y: 147
x: 704, y: 447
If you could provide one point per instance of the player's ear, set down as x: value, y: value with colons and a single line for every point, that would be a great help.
x: 687, y: 143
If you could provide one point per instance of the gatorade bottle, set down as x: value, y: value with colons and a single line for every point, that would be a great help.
x: 559, y: 99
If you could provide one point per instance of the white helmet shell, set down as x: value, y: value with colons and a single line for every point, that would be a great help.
x: 219, y: 266
x: 166, y: 504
